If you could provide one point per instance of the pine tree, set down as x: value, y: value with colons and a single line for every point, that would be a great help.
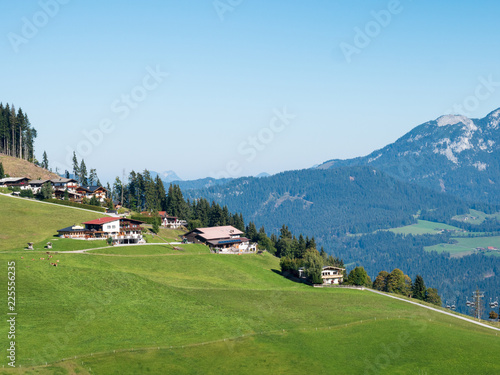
x: 265, y: 242
x: 225, y: 216
x: 240, y: 222
x: 251, y: 232
x: 419, y: 289
x: 161, y: 194
x: 2, y: 172
x: 302, y: 246
x: 215, y: 215
x: 45, y: 161
x: 76, y: 168
x: 117, y: 190
x: 83, y: 174
x: 93, y: 177
x: 311, y: 244
x: 152, y: 202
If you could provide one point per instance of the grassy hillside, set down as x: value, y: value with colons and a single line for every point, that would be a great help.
x: 23, y: 221
x: 102, y: 304
x: 475, y: 217
x: 425, y: 227
x: 15, y: 167
x: 153, y: 309
x: 466, y: 246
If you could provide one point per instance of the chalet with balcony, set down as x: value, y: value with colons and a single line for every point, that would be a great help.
x: 224, y: 239
x: 89, y: 191
x: 332, y: 275
x: 61, y: 184
x: 171, y: 221
x: 121, y: 230
x: 21, y: 182
x: 36, y: 185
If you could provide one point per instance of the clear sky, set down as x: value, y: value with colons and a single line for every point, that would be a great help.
x: 240, y: 87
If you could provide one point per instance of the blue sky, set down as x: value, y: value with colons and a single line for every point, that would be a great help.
x: 239, y: 87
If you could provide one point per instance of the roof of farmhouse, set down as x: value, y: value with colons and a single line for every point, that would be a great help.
x: 102, y: 220
x: 218, y: 232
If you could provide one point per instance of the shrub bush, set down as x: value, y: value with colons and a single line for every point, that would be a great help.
x: 74, y: 204
x: 26, y: 193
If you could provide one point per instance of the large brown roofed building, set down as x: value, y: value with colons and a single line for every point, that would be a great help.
x: 221, y: 239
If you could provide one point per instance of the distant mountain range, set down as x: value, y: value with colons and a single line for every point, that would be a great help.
x: 452, y: 154
x: 167, y: 176
x: 170, y: 177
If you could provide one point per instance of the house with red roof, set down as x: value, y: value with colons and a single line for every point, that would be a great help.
x: 121, y: 230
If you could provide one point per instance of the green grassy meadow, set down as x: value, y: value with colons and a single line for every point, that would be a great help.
x: 467, y: 245
x: 91, y: 305
x: 154, y: 310
x: 153, y: 250
x: 423, y: 227
x: 35, y: 222
x: 475, y: 217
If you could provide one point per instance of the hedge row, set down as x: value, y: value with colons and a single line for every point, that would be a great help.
x: 74, y: 204
x: 146, y: 219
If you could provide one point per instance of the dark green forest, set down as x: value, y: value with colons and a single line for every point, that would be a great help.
x: 17, y: 136
x: 331, y: 202
x: 455, y: 278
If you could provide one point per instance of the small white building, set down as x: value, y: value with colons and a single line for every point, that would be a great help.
x: 36, y: 185
x: 172, y: 222
x: 332, y: 275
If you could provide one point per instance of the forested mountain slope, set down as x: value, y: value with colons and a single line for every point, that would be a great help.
x: 328, y: 202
